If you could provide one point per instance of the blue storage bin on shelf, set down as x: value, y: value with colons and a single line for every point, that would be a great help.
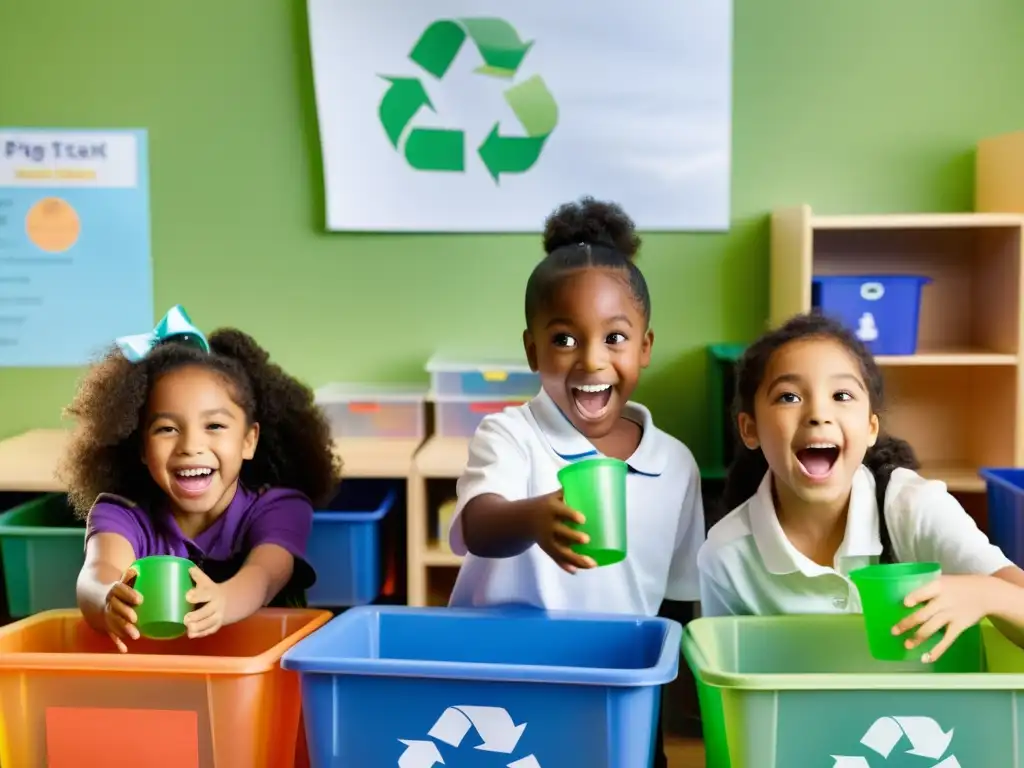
x: 883, y: 310
x: 512, y: 687
x: 1005, y: 491
x: 344, y: 546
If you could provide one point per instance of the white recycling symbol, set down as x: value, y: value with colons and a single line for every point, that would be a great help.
x: 926, y: 737
x: 497, y: 732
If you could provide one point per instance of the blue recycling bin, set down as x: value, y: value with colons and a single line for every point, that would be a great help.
x: 344, y: 545
x: 882, y: 310
x: 1005, y: 491
x: 516, y: 687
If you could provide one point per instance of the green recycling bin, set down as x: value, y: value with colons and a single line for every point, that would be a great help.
x: 795, y: 691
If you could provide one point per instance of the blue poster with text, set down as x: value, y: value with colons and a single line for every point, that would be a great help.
x: 75, y: 261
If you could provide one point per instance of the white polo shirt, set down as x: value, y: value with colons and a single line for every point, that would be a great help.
x: 517, y: 453
x: 749, y: 567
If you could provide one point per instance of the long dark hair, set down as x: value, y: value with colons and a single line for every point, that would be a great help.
x: 748, y: 468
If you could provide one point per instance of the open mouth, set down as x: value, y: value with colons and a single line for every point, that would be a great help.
x: 193, y: 480
x: 817, y: 459
x: 592, y: 399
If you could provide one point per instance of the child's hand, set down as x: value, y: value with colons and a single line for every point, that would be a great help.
x: 209, y: 596
x: 951, y: 602
x: 555, y: 537
x: 119, y: 612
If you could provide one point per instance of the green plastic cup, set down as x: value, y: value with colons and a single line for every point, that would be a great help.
x: 882, y: 590
x: 163, y: 581
x: 596, y: 488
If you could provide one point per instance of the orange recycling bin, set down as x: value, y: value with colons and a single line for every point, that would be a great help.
x: 68, y: 699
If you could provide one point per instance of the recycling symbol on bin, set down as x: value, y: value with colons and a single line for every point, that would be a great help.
x: 925, y: 738
x: 497, y: 732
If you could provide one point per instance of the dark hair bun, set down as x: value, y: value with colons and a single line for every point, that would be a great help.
x: 592, y: 222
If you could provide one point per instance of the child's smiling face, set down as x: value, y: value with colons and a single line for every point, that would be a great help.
x: 812, y: 419
x: 589, y: 343
x: 195, y: 440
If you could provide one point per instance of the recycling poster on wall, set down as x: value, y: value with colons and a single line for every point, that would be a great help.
x: 75, y: 268
x: 483, y: 116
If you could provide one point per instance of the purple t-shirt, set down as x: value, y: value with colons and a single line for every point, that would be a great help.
x: 273, y: 516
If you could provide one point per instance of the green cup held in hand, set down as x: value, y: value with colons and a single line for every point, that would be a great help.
x: 596, y: 488
x: 163, y: 581
x: 883, y: 588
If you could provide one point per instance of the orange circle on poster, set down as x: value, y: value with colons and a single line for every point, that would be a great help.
x: 53, y: 225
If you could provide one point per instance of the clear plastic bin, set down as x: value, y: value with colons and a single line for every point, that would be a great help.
x: 344, y: 546
x: 459, y: 417
x: 777, y: 692
x: 68, y: 698
x: 374, y: 410
x: 495, y: 378
x: 42, y: 547
x: 514, y: 687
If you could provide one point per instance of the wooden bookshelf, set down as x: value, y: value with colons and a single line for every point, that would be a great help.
x: 959, y: 400
x: 430, y: 565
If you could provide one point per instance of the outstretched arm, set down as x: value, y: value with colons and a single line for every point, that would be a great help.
x: 107, y: 604
x: 266, y: 571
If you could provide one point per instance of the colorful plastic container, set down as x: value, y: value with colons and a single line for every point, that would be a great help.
x: 1005, y: 490
x: 374, y: 410
x: 777, y: 692
x: 882, y: 310
x: 463, y: 376
x: 42, y: 547
x: 386, y: 686
x: 344, y: 546
x: 460, y: 416
x: 68, y: 698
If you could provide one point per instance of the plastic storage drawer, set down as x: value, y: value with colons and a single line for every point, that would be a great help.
x: 379, y: 410
x: 460, y: 417
x: 1005, y: 491
x: 42, y: 545
x: 450, y: 377
x: 68, y: 698
x: 515, y: 687
x: 882, y: 310
x: 344, y: 546
x: 777, y: 692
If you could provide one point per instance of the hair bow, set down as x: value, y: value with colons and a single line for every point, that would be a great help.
x: 175, y: 326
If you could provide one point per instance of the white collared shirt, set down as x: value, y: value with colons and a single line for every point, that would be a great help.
x: 749, y: 567
x: 517, y: 453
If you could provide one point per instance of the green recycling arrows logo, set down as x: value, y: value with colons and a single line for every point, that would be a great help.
x: 504, y: 151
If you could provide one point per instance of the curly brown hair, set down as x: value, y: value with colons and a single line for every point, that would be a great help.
x: 294, y: 450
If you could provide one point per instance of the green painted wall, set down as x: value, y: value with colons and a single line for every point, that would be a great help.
x: 861, y: 106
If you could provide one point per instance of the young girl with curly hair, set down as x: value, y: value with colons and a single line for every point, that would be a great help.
x: 819, y: 489
x: 201, y: 449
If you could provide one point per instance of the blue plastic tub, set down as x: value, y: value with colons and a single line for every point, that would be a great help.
x: 882, y: 310
x: 483, y: 688
x: 1006, y: 510
x: 344, y: 546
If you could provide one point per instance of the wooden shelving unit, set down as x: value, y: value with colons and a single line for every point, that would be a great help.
x: 999, y: 174
x: 431, y: 568
x: 960, y: 400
